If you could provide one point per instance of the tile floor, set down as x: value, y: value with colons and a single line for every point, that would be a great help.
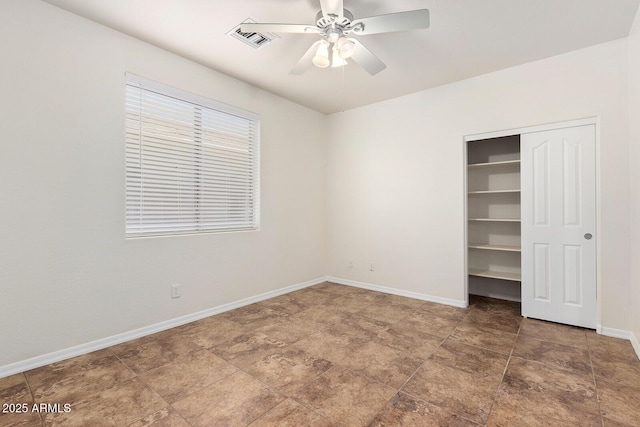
x: 337, y: 355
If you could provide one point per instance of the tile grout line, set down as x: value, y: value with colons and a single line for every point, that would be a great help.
x: 471, y: 309
x: 352, y: 314
x: 419, y: 367
x: 33, y: 397
x: 595, y: 384
x: 139, y: 377
x: 431, y: 355
x: 321, y: 327
x: 397, y: 390
x: 95, y: 394
x: 278, y: 392
x: 169, y: 405
x: 504, y: 372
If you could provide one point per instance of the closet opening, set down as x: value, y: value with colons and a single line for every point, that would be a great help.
x: 493, y: 217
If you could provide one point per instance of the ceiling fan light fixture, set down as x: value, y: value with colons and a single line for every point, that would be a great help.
x: 337, y: 61
x: 345, y: 47
x: 321, y: 58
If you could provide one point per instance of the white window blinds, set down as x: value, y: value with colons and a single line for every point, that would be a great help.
x: 191, y: 163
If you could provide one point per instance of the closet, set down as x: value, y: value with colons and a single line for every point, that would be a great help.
x: 493, y: 214
x: 531, y: 220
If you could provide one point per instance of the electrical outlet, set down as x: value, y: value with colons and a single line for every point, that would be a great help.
x: 372, y: 267
x: 350, y: 265
x: 175, y: 291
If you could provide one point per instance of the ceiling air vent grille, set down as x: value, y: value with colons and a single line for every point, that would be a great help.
x: 255, y: 40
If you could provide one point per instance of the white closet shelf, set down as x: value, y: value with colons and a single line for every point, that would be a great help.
x: 505, y: 248
x: 514, y: 277
x: 494, y: 164
x: 495, y: 219
x: 495, y: 192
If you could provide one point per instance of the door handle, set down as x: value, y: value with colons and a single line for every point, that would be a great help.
x: 588, y: 236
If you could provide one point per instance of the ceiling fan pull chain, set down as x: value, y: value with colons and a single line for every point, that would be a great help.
x: 343, y: 88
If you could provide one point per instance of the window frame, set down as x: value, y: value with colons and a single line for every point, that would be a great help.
x: 196, y: 142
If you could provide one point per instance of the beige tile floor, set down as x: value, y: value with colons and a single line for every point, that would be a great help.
x: 336, y: 355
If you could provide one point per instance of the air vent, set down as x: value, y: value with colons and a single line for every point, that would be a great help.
x: 255, y: 40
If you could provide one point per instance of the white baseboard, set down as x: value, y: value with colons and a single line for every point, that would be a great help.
x: 57, y: 356
x: 399, y: 292
x: 614, y: 333
x: 635, y: 344
x: 621, y: 333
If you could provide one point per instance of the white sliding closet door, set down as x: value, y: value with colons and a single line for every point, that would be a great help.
x: 558, y: 225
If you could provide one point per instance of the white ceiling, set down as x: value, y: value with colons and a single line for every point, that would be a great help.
x: 466, y: 38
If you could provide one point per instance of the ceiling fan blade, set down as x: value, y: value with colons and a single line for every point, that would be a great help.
x: 277, y: 28
x: 334, y: 7
x: 367, y: 60
x: 401, y: 21
x: 306, y: 61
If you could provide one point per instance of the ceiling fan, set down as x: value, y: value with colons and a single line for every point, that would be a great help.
x: 334, y: 24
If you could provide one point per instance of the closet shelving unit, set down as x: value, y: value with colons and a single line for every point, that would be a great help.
x: 493, y: 214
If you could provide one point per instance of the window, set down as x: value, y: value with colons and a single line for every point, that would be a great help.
x: 191, y: 163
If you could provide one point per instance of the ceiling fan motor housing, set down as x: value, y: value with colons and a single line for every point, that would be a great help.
x: 323, y: 22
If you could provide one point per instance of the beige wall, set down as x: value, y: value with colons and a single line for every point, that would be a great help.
x: 395, y: 172
x: 634, y: 167
x: 67, y: 274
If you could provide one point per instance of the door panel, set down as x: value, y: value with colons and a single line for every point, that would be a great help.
x: 541, y: 271
x: 540, y: 167
x: 571, y: 183
x: 558, y: 210
x: 572, y: 274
